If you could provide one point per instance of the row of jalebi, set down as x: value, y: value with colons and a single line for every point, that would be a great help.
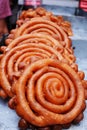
x: 39, y: 74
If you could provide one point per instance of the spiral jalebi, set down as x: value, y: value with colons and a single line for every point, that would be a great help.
x: 22, y: 52
x: 48, y: 40
x: 49, y: 92
x: 43, y: 13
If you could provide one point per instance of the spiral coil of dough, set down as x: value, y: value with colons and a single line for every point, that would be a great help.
x: 23, y: 51
x: 46, y: 39
x: 42, y: 13
x: 49, y: 94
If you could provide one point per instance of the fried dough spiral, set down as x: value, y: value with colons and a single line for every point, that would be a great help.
x: 43, y: 26
x: 48, y: 40
x: 49, y: 92
x: 40, y: 12
x: 19, y: 55
x: 43, y: 13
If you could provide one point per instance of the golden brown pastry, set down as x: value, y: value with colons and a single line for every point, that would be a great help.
x: 40, y: 12
x: 49, y: 92
x: 22, y: 52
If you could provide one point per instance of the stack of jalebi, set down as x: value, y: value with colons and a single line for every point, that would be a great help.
x: 43, y: 13
x: 58, y: 27
x: 39, y: 74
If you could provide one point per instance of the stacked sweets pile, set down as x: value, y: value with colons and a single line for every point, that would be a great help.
x: 39, y: 74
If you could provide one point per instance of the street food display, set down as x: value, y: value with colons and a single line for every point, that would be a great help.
x: 39, y: 74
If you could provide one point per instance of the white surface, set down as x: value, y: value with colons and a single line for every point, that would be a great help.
x: 20, y: 2
x: 68, y: 3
